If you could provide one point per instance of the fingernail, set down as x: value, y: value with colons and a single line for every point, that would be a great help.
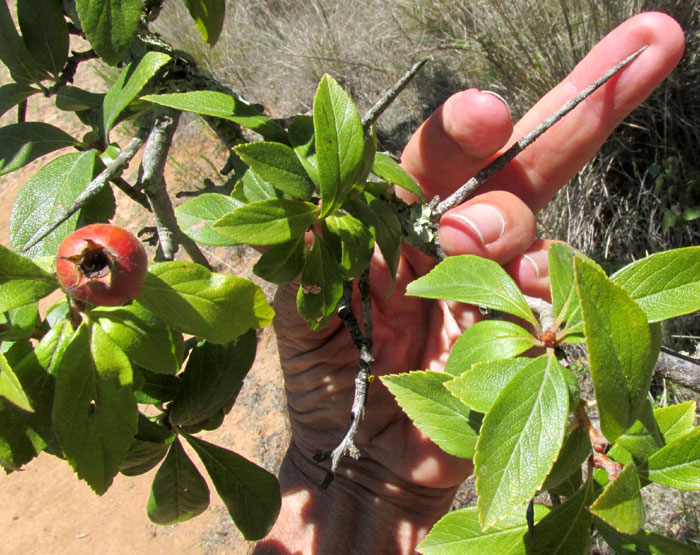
x: 483, y: 219
x: 499, y: 97
x: 538, y: 261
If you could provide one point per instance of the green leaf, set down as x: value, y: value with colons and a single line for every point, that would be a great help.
x: 282, y: 263
x: 11, y: 388
x: 339, y: 141
x: 665, y: 284
x: 384, y: 225
x: 100, y: 209
x: 677, y: 465
x: 197, y: 216
x: 268, y: 222
x: 459, y: 533
x: 74, y: 99
x: 435, y: 411
x: 574, y: 452
x: 149, y: 447
x: 214, y: 422
x: 225, y: 106
x: 20, y: 323
x: 480, y: 386
x: 352, y: 242
x: 13, y: 50
x: 216, y: 307
x: 301, y: 137
x: 179, y: 491
x: 487, y: 340
x: 143, y: 337
x: 251, y: 494
x: 142, y: 457
x: 640, y: 440
x: 566, y: 530
x: 252, y: 188
x: 212, y: 379
x: 321, y: 285
x: 473, y: 280
x: 154, y: 389
x: 21, y: 281
x: 45, y: 32
x: 386, y: 168
x: 95, y: 415
x: 110, y: 25
x: 24, y: 434
x: 45, y: 197
x: 12, y: 94
x: 643, y: 542
x: 20, y: 143
x: 365, y: 166
x: 565, y: 302
x: 621, y: 505
x: 128, y: 85
x: 208, y: 16
x: 520, y: 438
x: 675, y: 421
x: 277, y: 164
x: 620, y: 348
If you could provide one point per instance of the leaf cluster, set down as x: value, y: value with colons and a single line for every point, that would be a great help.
x: 304, y: 197
x: 114, y: 390
x: 76, y: 392
x: 522, y: 419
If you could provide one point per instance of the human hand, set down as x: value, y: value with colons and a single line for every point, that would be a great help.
x: 389, y: 497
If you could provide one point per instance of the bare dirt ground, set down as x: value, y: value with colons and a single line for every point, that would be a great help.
x: 46, y: 509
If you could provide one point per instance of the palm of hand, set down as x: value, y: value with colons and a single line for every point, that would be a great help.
x: 320, y: 368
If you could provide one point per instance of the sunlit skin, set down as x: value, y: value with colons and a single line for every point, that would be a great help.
x: 388, y: 499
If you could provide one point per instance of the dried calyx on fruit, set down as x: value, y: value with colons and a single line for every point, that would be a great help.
x: 101, y: 264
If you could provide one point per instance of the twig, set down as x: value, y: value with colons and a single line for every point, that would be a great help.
x: 466, y: 190
x: 362, y: 379
x: 152, y: 181
x: 70, y: 69
x: 543, y: 309
x: 671, y: 365
x: 95, y: 186
x: 366, y: 300
x: 389, y: 96
x: 678, y: 368
x: 130, y: 191
x: 22, y: 111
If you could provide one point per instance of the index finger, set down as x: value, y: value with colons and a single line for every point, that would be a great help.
x: 548, y: 164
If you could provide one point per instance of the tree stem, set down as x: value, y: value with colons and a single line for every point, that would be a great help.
x: 363, y: 342
x: 152, y: 181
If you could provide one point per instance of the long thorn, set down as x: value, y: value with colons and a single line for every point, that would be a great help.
x: 94, y: 187
x: 389, y: 96
x: 466, y: 190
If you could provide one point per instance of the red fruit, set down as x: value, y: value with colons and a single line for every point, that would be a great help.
x: 101, y: 264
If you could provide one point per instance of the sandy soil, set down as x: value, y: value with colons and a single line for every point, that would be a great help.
x: 46, y: 509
